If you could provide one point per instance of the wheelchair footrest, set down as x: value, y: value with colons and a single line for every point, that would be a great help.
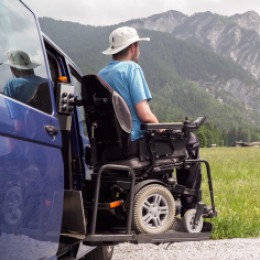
x: 209, y: 213
x: 180, y: 189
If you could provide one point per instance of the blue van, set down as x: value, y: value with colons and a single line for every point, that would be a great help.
x: 35, y: 146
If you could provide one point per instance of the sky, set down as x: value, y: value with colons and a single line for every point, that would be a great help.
x: 108, y: 12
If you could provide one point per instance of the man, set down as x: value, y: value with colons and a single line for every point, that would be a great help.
x: 125, y: 75
x: 25, y: 82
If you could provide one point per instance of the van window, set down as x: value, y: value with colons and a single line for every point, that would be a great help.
x: 80, y: 110
x: 57, y: 65
x: 23, y: 74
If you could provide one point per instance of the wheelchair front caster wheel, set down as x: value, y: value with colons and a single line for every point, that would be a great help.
x: 154, y: 209
x: 188, y: 222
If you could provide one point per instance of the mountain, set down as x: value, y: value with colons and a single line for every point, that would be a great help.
x: 187, y: 76
x: 236, y: 37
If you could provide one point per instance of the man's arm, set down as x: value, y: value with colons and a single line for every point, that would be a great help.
x: 144, y: 112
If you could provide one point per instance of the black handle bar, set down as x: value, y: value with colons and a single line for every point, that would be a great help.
x: 194, y: 125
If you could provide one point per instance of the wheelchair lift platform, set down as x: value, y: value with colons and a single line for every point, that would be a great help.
x: 168, y: 237
x: 177, y: 234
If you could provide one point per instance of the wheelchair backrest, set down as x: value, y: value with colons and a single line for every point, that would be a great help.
x: 108, y: 117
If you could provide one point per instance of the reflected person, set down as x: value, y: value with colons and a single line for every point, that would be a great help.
x: 24, y: 84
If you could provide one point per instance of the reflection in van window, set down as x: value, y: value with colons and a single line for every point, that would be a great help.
x: 81, y: 111
x: 22, y: 69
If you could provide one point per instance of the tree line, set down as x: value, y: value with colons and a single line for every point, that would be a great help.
x: 209, y: 134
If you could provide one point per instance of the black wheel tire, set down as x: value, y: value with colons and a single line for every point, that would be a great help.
x: 154, y: 210
x: 100, y: 253
x: 188, y: 220
x: 13, y: 206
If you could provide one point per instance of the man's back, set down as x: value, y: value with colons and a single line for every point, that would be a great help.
x: 126, y: 77
x: 22, y: 88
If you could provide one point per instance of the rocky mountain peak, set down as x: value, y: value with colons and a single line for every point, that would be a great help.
x: 164, y: 22
x: 249, y: 21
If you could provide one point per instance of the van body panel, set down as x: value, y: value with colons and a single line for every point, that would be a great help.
x: 31, y: 161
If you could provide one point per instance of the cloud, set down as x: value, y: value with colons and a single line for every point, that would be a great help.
x: 100, y: 12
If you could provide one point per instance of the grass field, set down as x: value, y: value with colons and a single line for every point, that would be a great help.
x: 236, y: 182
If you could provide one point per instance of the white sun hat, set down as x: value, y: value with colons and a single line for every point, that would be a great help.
x: 121, y: 38
x: 20, y: 60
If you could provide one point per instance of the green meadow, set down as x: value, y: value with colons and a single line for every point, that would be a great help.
x: 236, y: 182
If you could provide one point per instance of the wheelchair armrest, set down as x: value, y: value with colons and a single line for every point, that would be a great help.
x: 167, y: 126
x: 181, y: 126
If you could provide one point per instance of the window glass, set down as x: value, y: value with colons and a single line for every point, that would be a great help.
x: 80, y: 110
x: 57, y: 66
x: 23, y: 74
x: 82, y: 123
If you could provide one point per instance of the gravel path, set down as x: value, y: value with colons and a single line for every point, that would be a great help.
x: 226, y: 249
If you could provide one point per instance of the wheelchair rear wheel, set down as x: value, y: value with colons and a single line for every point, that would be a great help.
x: 154, y: 209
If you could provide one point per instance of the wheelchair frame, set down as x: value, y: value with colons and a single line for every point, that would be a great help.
x: 129, y: 235
x: 99, y: 101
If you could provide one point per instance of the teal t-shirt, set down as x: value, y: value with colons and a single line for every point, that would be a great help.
x: 127, y: 78
x: 22, y: 88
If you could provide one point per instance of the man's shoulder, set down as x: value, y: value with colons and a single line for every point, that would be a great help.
x: 126, y: 64
x: 130, y: 67
x: 132, y: 64
x: 13, y: 82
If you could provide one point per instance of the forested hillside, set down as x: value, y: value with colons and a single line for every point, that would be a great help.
x: 174, y: 69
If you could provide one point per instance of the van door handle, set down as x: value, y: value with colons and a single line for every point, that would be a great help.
x: 51, y: 130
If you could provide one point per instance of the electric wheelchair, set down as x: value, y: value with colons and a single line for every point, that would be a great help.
x: 149, y: 186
